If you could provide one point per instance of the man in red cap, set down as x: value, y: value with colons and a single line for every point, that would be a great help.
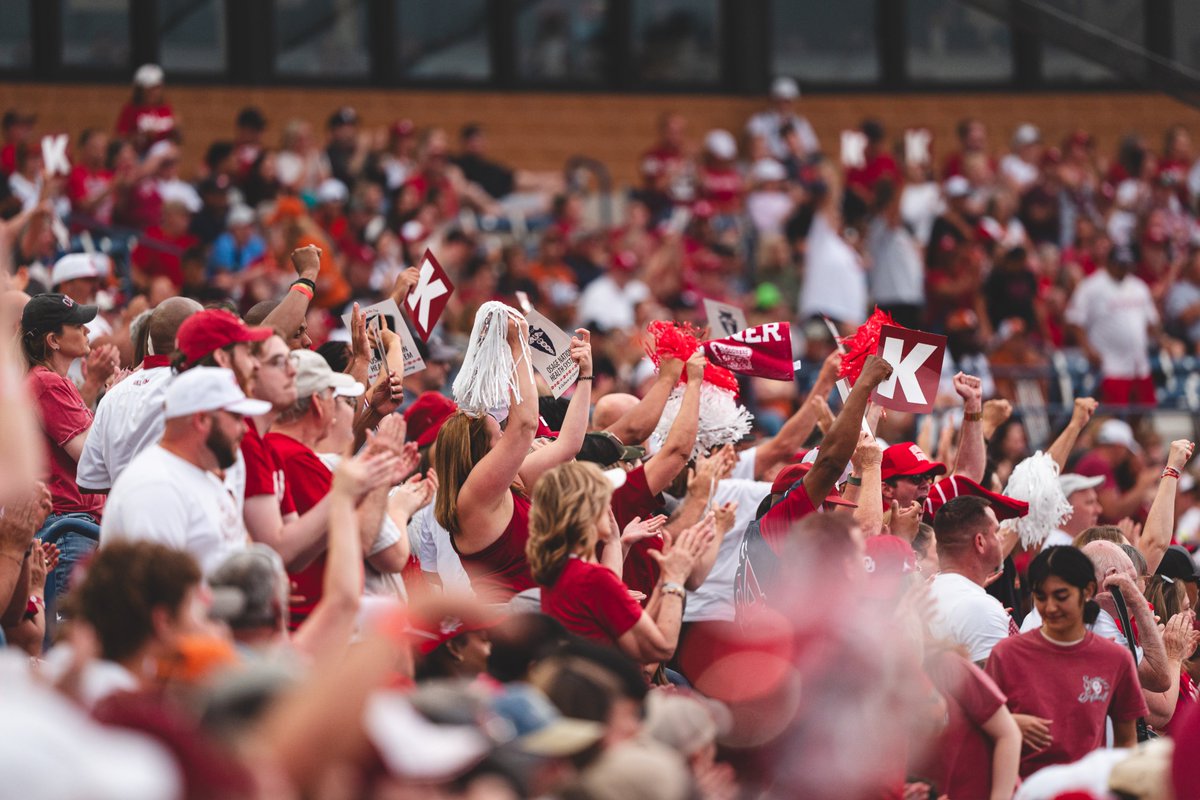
x: 907, y: 473
x: 796, y: 494
x: 218, y: 338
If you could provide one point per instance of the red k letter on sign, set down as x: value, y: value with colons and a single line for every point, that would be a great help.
x: 916, y: 359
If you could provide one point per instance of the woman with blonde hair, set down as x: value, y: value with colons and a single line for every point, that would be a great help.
x: 570, y: 517
x: 481, y: 467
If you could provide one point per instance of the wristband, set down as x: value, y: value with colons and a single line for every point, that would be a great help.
x: 675, y: 589
x: 302, y: 289
x: 972, y: 416
x: 583, y: 378
x: 854, y: 480
x: 305, y: 282
x: 1170, y: 472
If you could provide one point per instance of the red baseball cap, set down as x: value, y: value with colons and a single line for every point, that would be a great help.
x: 887, y: 560
x: 954, y: 486
x: 426, y: 416
x: 794, y: 473
x: 429, y: 634
x: 212, y: 329
x: 906, y: 459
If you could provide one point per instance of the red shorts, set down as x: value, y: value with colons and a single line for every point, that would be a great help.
x: 1127, y: 391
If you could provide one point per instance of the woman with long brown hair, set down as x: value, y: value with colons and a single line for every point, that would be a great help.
x: 569, y: 518
x: 480, y: 467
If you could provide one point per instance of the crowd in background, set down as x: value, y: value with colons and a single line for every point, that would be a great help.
x: 244, y: 558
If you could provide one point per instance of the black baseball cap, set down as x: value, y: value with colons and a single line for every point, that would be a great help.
x: 48, y: 312
x: 251, y: 117
x: 604, y: 448
x: 1177, y: 565
x: 343, y: 116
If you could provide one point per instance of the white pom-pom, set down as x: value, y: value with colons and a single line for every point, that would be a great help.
x: 488, y: 375
x: 1035, y: 481
x: 722, y: 419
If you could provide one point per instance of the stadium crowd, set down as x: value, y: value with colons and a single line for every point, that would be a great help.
x: 247, y: 553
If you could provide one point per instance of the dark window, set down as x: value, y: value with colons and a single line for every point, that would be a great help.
x: 326, y: 38
x: 1185, y: 25
x: 1124, y: 20
x: 192, y: 35
x: 96, y: 34
x: 447, y: 39
x: 833, y: 42
x: 948, y: 42
x: 16, y: 36
x: 561, y: 40
x: 676, y: 41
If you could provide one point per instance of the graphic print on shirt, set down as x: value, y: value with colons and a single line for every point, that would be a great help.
x: 1095, y: 690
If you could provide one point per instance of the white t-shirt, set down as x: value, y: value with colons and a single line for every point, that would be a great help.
x: 431, y: 542
x: 743, y: 470
x: 767, y: 125
x: 769, y: 211
x: 920, y: 205
x: 835, y: 283
x: 714, y: 599
x: 1115, y: 316
x: 968, y: 615
x: 897, y: 269
x: 162, y: 498
x: 1019, y: 171
x: 611, y: 306
x: 128, y: 419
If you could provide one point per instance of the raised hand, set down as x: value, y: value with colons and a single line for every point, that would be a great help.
x: 387, y: 393
x: 639, y: 529
x: 970, y: 389
x: 867, y: 453
x: 1082, y: 413
x: 725, y: 515
x: 875, y: 371
x: 360, y: 346
x: 581, y: 351
x: 307, y: 261
x: 1179, y: 453
x: 995, y: 414
x: 695, y: 365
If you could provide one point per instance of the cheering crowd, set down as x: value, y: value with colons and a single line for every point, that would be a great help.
x: 262, y: 539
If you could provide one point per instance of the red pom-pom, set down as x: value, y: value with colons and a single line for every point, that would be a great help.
x: 680, y: 340
x: 862, y: 343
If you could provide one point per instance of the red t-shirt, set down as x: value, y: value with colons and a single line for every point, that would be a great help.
x: 501, y: 570
x: 64, y: 416
x: 308, y: 480
x: 1077, y: 686
x: 265, y: 472
x: 778, y: 521
x: 160, y: 254
x: 870, y: 173
x: 152, y: 123
x: 84, y: 183
x: 722, y: 187
x: 590, y: 601
x: 634, y: 499
x: 960, y: 761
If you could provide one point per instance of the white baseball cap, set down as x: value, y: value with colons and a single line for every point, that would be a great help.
x: 332, y: 190
x: 784, y: 88
x: 148, y: 75
x: 203, y: 389
x: 78, y: 265
x: 1073, y: 482
x: 767, y: 170
x: 240, y: 214
x: 1026, y: 134
x: 957, y: 186
x: 721, y: 144
x: 1116, y: 431
x: 313, y: 374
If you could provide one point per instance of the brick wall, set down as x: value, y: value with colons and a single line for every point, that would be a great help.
x: 540, y: 131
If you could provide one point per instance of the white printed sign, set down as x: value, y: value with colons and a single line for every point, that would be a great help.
x: 724, y: 319
x: 388, y: 313
x: 854, y: 146
x: 550, y: 348
x: 54, y: 155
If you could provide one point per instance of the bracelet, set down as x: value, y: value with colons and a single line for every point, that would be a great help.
x: 972, y: 416
x: 583, y: 378
x: 302, y: 289
x: 675, y: 589
x: 854, y: 480
x: 305, y: 282
x: 1170, y: 472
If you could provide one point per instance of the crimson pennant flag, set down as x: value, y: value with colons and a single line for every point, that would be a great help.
x: 428, y: 299
x: 764, y: 351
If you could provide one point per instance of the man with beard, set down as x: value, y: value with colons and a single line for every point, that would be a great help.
x: 170, y: 493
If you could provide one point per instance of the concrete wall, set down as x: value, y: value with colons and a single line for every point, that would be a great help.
x: 539, y: 131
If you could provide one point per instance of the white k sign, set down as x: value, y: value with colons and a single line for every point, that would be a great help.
x: 429, y: 297
x: 916, y: 359
x: 54, y: 155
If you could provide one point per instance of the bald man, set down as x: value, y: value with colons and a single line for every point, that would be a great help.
x: 129, y: 417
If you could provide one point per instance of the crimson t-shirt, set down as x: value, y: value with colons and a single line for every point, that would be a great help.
x: 1077, y: 686
x: 85, y: 182
x: 590, y: 601
x: 779, y: 519
x: 308, y: 480
x: 634, y: 499
x: 154, y: 123
x: 264, y: 470
x: 960, y: 761
x: 64, y: 416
